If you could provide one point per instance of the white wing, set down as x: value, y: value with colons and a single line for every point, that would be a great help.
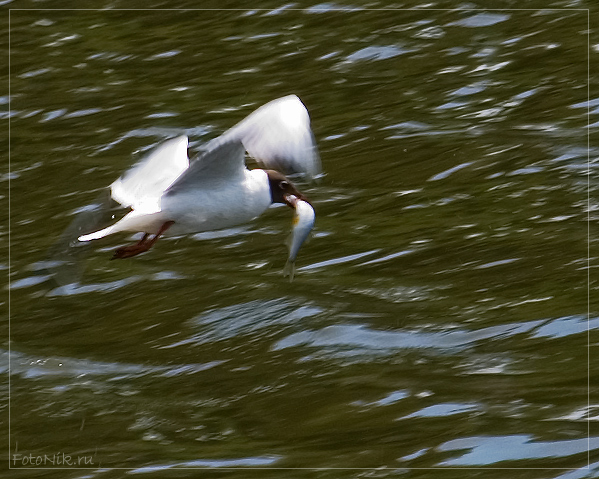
x: 278, y: 136
x: 142, y: 186
x: 223, y: 162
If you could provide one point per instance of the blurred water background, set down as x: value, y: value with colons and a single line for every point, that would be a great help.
x: 442, y: 314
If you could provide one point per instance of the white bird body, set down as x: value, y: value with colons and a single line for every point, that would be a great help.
x: 169, y: 195
x: 221, y: 203
x: 224, y: 205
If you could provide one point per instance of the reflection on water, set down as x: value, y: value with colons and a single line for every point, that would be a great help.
x: 223, y: 463
x: 358, y: 337
x: 31, y: 368
x: 245, y: 320
x: 484, y: 451
x: 441, y: 313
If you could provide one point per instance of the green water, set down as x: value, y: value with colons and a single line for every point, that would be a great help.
x: 441, y: 315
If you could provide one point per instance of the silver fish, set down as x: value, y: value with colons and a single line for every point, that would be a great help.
x: 303, y: 222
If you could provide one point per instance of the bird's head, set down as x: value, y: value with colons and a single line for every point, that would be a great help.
x: 282, y: 190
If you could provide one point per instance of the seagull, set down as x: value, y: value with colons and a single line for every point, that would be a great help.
x: 169, y: 195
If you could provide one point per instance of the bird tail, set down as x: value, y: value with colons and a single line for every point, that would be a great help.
x: 97, y: 234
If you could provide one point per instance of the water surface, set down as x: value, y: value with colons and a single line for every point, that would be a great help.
x: 440, y: 315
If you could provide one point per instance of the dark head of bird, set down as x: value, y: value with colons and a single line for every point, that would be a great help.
x: 282, y: 190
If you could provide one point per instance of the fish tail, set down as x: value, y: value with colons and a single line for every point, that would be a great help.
x: 289, y: 270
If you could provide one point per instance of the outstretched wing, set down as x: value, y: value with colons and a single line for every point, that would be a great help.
x: 278, y: 136
x: 142, y: 186
x: 222, y: 162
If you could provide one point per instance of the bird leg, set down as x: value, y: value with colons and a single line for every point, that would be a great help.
x: 143, y: 245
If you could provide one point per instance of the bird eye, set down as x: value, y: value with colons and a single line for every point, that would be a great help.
x: 283, y: 184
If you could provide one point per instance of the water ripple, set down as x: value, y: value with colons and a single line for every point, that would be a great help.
x: 331, y: 7
x: 566, y: 326
x: 442, y: 410
x: 211, y: 463
x: 481, y: 20
x: 361, y: 338
x: 487, y: 450
x: 387, y: 257
x: 31, y: 367
x: 245, y: 319
x: 372, y: 52
x: 446, y: 173
x: 340, y: 260
x: 76, y: 288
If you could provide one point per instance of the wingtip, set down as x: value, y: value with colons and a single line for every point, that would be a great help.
x: 183, y: 138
